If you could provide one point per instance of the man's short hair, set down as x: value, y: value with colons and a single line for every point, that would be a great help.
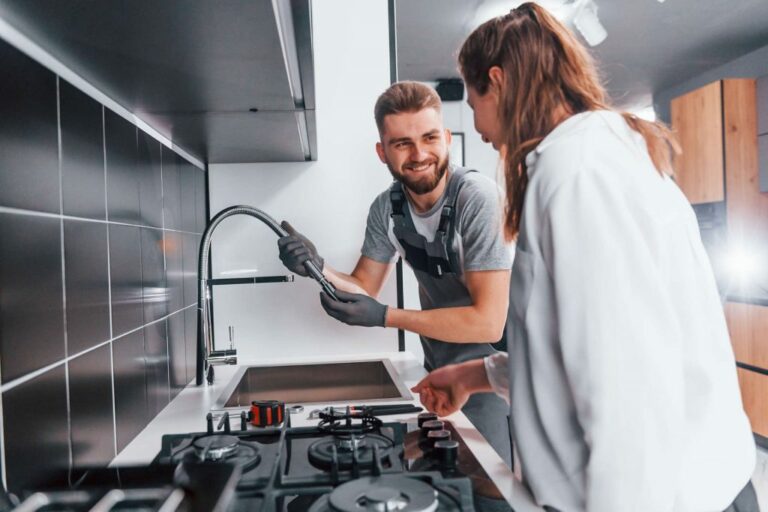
x: 405, y: 96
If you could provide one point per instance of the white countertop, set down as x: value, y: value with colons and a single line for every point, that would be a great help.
x: 186, y: 413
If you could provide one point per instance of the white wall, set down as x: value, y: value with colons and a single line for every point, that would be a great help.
x: 478, y: 155
x: 327, y: 200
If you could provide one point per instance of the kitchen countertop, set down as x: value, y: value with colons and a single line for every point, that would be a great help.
x: 186, y: 413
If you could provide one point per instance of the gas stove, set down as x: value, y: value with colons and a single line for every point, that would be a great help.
x: 349, y: 461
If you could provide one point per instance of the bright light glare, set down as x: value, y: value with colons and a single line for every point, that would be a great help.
x: 741, y: 265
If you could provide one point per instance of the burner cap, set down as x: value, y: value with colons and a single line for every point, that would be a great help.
x: 388, y: 493
x: 216, y: 447
x: 321, y: 452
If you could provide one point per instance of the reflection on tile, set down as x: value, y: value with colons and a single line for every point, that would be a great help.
x: 155, y: 291
x: 150, y: 183
x: 156, y: 356
x: 82, y: 154
x: 29, y: 141
x: 90, y: 399
x: 122, y: 179
x: 125, y: 273
x: 131, y: 412
x: 191, y: 335
x: 187, y: 175
x: 171, y: 189
x: 178, y: 353
x: 174, y: 271
x: 190, y: 262
x: 201, y: 193
x: 87, y: 284
x: 35, y: 447
x: 32, y: 313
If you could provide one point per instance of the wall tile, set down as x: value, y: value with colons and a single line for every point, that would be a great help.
x: 82, y: 154
x: 201, y: 215
x: 187, y: 175
x: 131, y: 411
x: 190, y: 261
x: 122, y: 177
x: 156, y: 354
x: 29, y: 140
x: 150, y: 181
x: 177, y: 353
x: 190, y: 328
x: 155, y: 291
x: 171, y: 189
x: 31, y: 299
x: 87, y: 284
x: 90, y: 402
x: 126, y: 278
x: 36, y: 445
x: 174, y: 270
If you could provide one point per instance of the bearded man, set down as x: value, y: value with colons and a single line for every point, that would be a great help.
x: 446, y: 224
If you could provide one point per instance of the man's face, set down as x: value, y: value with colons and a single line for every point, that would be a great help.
x: 414, y: 145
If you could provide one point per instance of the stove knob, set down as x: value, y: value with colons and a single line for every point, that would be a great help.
x: 437, y: 435
x: 429, y: 426
x: 446, y: 453
x: 426, y: 416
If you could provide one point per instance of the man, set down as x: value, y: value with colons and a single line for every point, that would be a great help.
x: 445, y: 223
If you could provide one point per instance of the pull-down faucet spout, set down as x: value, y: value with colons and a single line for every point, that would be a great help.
x: 207, y: 357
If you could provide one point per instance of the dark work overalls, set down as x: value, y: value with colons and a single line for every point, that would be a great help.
x: 437, y: 267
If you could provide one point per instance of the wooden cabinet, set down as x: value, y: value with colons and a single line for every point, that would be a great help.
x: 754, y: 394
x: 697, y: 119
x: 748, y: 327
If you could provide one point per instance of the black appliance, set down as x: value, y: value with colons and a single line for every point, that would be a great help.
x: 350, y: 461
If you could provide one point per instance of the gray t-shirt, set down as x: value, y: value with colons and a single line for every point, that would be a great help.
x: 478, y: 241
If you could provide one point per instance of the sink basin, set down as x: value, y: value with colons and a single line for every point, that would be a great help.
x: 315, y: 383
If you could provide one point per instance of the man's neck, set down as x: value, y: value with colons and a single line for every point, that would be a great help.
x: 424, y: 202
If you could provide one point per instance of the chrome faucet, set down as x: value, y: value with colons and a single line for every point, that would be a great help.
x: 207, y: 357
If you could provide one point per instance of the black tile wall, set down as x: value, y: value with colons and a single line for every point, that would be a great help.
x: 90, y: 403
x: 130, y: 387
x: 154, y: 289
x: 99, y: 227
x: 177, y: 353
x: 36, y: 431
x: 126, y: 279
x: 123, y: 175
x: 82, y: 154
x: 156, y: 356
x: 31, y: 298
x: 29, y: 156
x: 87, y: 284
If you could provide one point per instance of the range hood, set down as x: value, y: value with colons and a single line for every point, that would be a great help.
x: 226, y: 81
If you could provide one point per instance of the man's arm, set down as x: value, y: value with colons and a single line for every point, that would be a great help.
x: 367, y: 278
x: 482, y: 322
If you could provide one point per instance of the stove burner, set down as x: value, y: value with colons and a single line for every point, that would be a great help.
x: 350, y: 423
x: 218, y: 448
x: 347, y: 448
x: 388, y: 493
x: 215, y: 447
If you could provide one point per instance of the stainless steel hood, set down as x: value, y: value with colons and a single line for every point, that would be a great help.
x: 228, y: 81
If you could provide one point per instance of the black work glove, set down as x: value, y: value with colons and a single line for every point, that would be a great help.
x: 355, y: 309
x: 295, y: 249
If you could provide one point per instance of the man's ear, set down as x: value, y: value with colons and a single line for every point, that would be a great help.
x: 497, y: 78
x: 380, y: 152
x: 448, y: 137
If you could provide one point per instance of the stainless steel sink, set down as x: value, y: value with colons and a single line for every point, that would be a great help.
x: 314, y: 383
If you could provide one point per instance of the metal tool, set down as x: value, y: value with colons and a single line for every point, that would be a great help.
x: 370, y: 410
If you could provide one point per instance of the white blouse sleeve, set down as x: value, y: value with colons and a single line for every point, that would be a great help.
x: 497, y: 370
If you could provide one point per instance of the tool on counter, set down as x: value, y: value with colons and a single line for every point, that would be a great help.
x: 367, y: 410
x: 266, y: 413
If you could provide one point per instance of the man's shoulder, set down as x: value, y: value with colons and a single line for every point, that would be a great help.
x: 478, y: 188
x: 381, y: 204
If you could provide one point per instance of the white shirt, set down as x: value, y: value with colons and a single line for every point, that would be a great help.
x: 621, y: 377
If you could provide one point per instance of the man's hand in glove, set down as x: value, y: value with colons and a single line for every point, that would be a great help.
x: 295, y: 249
x: 355, y: 309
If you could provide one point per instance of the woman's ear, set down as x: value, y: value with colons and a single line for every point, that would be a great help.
x: 496, y: 77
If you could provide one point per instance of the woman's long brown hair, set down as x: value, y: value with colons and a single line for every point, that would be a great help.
x: 545, y: 68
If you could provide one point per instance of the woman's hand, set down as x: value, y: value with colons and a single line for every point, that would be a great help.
x: 446, y: 390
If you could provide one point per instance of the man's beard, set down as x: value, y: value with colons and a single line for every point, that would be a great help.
x: 421, y: 185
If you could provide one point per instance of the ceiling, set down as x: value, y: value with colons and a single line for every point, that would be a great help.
x: 192, y: 69
x: 650, y: 47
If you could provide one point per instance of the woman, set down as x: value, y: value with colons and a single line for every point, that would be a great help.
x: 621, y: 378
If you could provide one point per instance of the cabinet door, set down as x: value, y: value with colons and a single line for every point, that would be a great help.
x: 754, y: 395
x: 697, y: 119
x: 748, y: 327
